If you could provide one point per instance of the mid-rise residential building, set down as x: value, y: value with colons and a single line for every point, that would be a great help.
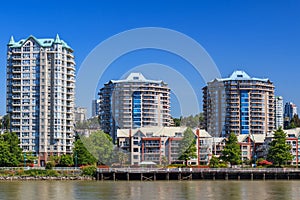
x: 292, y: 138
x: 95, y: 107
x: 279, y: 112
x: 132, y: 103
x: 239, y: 104
x: 80, y: 114
x: 40, y: 95
x: 250, y: 146
x: 159, y: 144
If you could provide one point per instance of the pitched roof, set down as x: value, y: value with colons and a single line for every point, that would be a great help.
x: 136, y: 77
x: 158, y: 131
x: 43, y: 42
x: 241, y: 75
x: 257, y: 138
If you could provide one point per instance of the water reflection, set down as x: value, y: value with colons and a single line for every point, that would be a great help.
x: 190, y: 190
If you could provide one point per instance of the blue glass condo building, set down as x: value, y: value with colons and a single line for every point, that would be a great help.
x: 239, y: 104
x: 132, y: 103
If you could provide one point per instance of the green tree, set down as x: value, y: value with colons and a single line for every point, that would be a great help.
x: 55, y: 160
x: 92, y: 123
x: 100, y: 145
x: 176, y: 122
x: 30, y: 158
x: 122, y: 157
x: 279, y: 151
x: 5, y: 123
x: 66, y: 161
x: 232, y: 152
x: 214, y: 162
x: 294, y: 122
x: 81, y: 155
x: 187, y: 146
x: 192, y: 121
x: 10, y: 152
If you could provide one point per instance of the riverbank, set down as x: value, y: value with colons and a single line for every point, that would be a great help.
x: 26, y: 174
x: 46, y: 178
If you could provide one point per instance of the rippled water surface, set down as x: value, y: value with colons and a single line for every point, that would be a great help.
x: 231, y: 190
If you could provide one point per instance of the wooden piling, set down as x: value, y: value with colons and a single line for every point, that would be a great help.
x: 168, y: 176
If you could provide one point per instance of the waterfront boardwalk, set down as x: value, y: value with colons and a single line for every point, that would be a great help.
x: 154, y: 174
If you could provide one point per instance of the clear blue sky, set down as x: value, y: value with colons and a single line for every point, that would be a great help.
x: 260, y: 37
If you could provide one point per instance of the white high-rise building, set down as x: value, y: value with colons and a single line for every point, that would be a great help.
x: 278, y: 112
x: 40, y: 95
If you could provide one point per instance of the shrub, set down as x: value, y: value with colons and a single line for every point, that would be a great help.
x: 50, y: 165
x: 89, y: 170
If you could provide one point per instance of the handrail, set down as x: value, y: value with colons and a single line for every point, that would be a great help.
x: 209, y: 170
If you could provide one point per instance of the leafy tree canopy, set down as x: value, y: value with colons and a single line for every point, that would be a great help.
x: 100, y: 145
x: 279, y: 151
x: 232, y: 152
x: 10, y: 152
x: 81, y: 155
x: 187, y: 146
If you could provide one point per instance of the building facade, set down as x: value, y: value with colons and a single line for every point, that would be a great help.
x: 132, y: 103
x: 80, y: 114
x: 40, y: 95
x: 290, y: 109
x: 239, y: 104
x: 95, y: 107
x: 161, y: 145
x: 292, y: 138
x: 279, y: 112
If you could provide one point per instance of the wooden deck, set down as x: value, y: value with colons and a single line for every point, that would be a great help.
x: 154, y: 174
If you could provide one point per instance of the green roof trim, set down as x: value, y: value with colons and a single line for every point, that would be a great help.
x: 11, y: 41
x: 44, y: 42
x: 57, y: 40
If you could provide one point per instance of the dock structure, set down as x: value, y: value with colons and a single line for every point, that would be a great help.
x: 188, y: 174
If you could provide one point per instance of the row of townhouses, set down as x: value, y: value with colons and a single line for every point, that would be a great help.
x: 161, y: 144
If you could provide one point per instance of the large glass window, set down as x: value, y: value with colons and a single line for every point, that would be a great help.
x: 244, y: 108
x: 136, y: 109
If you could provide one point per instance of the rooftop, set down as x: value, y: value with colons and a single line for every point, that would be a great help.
x: 43, y: 42
x: 136, y: 77
x: 241, y: 75
x: 158, y: 131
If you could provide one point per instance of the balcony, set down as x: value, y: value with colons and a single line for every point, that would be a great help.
x: 16, y: 77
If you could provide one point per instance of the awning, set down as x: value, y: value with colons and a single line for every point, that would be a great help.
x: 147, y: 163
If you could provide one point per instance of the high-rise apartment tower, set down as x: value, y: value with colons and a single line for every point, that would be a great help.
x: 239, y: 104
x: 132, y: 103
x: 40, y: 95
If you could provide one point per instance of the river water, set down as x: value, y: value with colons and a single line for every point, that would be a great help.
x: 231, y: 190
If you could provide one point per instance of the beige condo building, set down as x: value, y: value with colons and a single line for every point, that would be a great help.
x: 239, y: 104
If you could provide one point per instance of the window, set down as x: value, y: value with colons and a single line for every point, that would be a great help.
x: 135, y: 150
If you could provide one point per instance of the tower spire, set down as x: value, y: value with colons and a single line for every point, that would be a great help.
x: 57, y: 40
x: 11, y: 41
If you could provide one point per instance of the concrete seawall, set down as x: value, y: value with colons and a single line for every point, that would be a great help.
x: 148, y: 174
